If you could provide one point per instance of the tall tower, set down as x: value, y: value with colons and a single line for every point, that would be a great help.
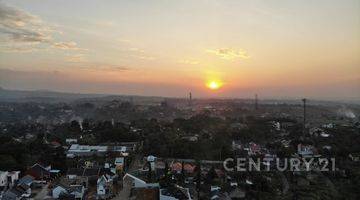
x: 190, y: 99
x: 256, y: 101
x: 304, y: 114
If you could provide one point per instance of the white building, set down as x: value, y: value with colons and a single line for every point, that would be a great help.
x: 71, y: 141
x: 104, y: 186
x: 86, y: 150
x: 76, y: 190
x: 139, y: 183
x: 8, y: 179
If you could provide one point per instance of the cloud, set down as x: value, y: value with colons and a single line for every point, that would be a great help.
x: 20, y: 26
x: 126, y: 41
x: 21, y: 31
x: 14, y: 48
x: 140, y: 54
x: 134, y: 49
x: 143, y: 57
x: 113, y: 68
x: 67, y: 46
x: 229, y: 54
x: 82, y: 62
x: 105, y: 67
x: 189, y: 62
x: 77, y: 58
x: 107, y: 23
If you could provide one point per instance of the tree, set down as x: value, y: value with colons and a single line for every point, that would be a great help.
x: 75, y: 126
x: 7, y: 163
x: 211, y: 175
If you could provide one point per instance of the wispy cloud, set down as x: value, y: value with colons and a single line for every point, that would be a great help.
x: 122, y: 40
x: 143, y: 57
x: 67, y: 46
x: 22, y: 31
x: 189, y: 62
x: 76, y: 58
x: 137, y: 50
x: 20, y: 26
x: 105, y: 23
x: 81, y: 62
x: 229, y: 53
x: 112, y: 68
x: 139, y: 54
x: 105, y: 67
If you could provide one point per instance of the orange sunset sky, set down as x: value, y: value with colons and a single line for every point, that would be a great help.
x: 275, y: 48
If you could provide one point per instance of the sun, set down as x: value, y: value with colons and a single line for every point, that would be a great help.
x: 214, y: 85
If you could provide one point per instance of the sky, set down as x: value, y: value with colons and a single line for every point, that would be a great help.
x: 273, y: 48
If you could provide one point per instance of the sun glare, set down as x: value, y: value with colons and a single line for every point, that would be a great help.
x: 214, y: 85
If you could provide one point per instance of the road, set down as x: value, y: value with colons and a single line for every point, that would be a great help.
x: 127, y: 184
x: 42, y: 194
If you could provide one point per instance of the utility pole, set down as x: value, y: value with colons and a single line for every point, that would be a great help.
x: 304, y: 114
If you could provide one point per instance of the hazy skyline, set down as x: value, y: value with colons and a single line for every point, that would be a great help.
x: 276, y: 48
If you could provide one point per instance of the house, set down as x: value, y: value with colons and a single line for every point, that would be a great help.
x: 55, y: 144
x: 175, y: 192
x: 54, y: 173
x: 254, y: 149
x: 86, y: 150
x: 8, y: 179
x: 214, y: 192
x: 121, y: 149
x: 325, y: 135
x: 119, y: 163
x: 330, y: 125
x: 236, y: 145
x: 61, y: 189
x: 27, y: 180
x: 285, y: 143
x: 137, y: 182
x: 355, y: 157
x: 191, y: 138
x: 12, y: 194
x: 316, y: 131
x: 151, y: 159
x: 71, y: 141
x: 13, y: 176
x: 178, y: 167
x: 108, y: 173
x: 21, y: 191
x: 104, y: 187
x: 86, y: 175
x: 3, y: 180
x: 39, y: 172
x: 275, y: 125
x: 305, y: 150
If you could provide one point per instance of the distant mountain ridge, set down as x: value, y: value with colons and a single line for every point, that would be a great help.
x: 55, y: 96
x: 16, y: 95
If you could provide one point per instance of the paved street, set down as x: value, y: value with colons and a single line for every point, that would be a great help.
x: 42, y: 194
x: 125, y: 192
